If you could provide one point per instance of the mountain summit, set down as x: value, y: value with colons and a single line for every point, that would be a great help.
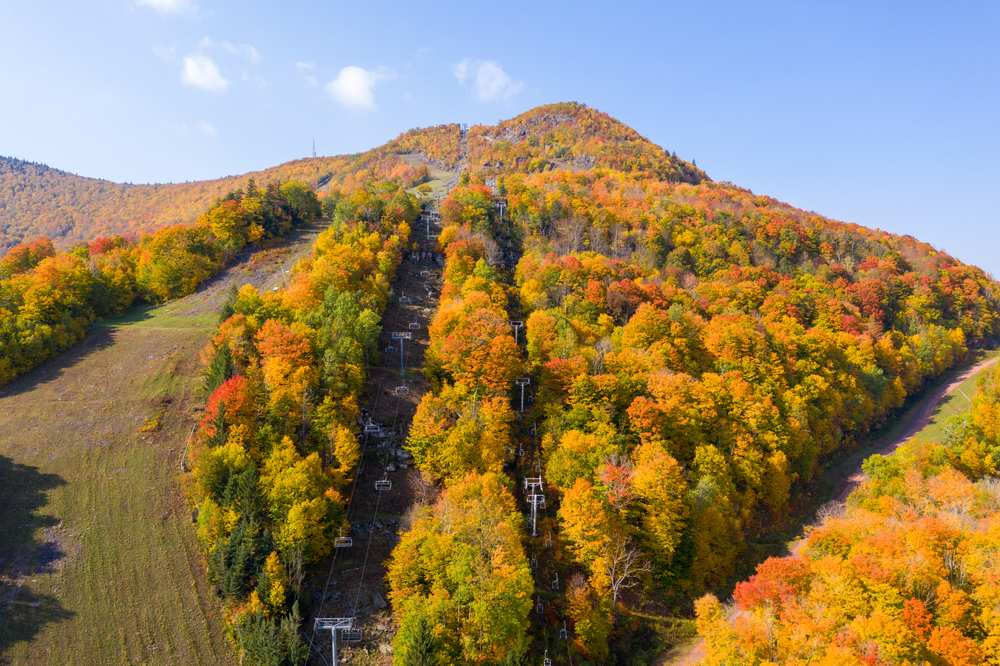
x: 36, y: 200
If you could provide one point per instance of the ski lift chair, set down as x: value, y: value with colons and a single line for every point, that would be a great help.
x: 384, y: 483
x: 342, y: 541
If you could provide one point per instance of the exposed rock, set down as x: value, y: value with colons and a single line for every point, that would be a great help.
x: 379, y: 601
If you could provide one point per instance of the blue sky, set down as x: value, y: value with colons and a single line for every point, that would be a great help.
x: 881, y: 114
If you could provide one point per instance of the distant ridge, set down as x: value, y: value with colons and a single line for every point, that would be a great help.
x: 38, y: 200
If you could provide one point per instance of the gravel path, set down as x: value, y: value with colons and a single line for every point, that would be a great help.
x: 694, y: 652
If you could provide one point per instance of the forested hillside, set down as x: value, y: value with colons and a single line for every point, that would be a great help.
x: 693, y: 356
x: 697, y: 354
x: 49, y: 299
x: 36, y: 200
x: 555, y: 136
x: 907, y: 573
x: 39, y: 201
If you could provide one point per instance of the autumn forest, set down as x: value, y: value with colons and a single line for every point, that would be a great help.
x: 636, y: 380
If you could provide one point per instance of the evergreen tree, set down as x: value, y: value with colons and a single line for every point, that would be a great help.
x: 220, y: 369
x: 229, y: 307
x: 234, y: 564
x: 295, y: 648
x: 218, y: 438
x: 419, y: 645
x: 269, y: 644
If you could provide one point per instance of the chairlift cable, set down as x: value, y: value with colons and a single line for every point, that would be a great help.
x: 354, y: 484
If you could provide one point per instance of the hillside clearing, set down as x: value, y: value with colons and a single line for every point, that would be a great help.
x: 100, y: 563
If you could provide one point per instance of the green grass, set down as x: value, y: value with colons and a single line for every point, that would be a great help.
x: 99, y: 560
x: 99, y: 563
x: 957, y: 402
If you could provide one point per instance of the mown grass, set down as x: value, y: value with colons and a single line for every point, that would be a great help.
x: 105, y: 546
x: 955, y: 403
x: 99, y: 563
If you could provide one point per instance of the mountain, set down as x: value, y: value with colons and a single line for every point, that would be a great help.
x: 698, y: 359
x: 37, y: 200
x: 569, y: 136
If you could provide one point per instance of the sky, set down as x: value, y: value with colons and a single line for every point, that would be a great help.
x: 879, y: 114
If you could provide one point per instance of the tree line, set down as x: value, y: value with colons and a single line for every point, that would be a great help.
x: 286, y: 371
x: 49, y: 299
x: 906, y: 573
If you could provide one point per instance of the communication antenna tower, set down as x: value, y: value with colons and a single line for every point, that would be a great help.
x: 314, y: 147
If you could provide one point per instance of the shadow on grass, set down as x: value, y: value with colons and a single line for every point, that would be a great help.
x: 101, y: 336
x: 25, y: 551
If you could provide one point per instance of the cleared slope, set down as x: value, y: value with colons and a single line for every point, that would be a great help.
x: 99, y: 562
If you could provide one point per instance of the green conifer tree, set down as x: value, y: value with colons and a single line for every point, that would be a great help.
x: 220, y: 369
x: 420, y: 647
x: 229, y: 307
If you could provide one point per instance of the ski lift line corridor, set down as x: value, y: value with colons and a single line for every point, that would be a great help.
x: 342, y: 541
x: 354, y: 632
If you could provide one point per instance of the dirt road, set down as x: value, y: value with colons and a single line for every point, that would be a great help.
x: 694, y: 652
x: 917, y: 422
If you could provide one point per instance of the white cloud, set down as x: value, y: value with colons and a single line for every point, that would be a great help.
x: 354, y: 87
x: 256, y: 80
x: 165, y: 54
x: 308, y: 67
x: 489, y: 81
x: 201, y: 72
x: 250, y: 53
x: 208, y: 129
x: 247, y: 51
x: 170, y: 6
